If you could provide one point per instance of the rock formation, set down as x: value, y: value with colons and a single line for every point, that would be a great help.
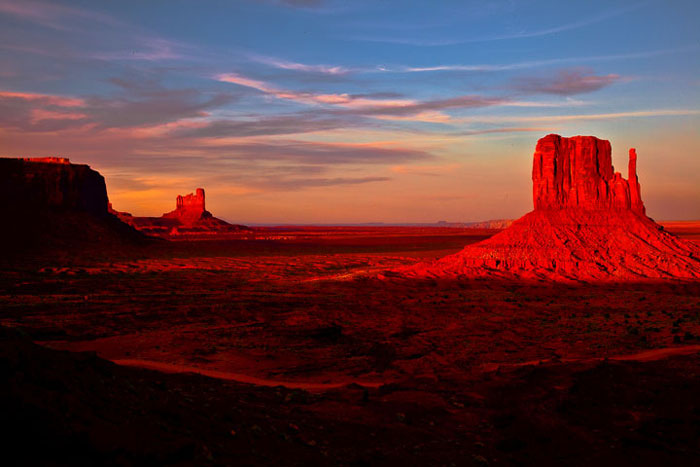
x: 49, y: 204
x: 578, y: 173
x: 189, y: 208
x: 589, y: 224
x: 51, y: 183
x: 190, y: 219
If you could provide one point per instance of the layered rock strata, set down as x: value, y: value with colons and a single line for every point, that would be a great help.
x: 589, y: 224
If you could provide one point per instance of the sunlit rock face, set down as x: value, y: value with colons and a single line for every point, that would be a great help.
x: 189, y: 208
x: 589, y: 224
x: 577, y: 172
x: 190, y: 219
x: 51, y: 183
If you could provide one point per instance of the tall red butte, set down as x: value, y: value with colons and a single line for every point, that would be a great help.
x: 589, y: 224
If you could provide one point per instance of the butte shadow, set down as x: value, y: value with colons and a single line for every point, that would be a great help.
x: 589, y: 225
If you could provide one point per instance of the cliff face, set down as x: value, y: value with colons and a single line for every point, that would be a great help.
x: 28, y: 185
x: 53, y: 208
x: 577, y: 172
x: 589, y: 224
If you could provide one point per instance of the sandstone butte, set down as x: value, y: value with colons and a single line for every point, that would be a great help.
x: 190, y: 218
x: 588, y: 224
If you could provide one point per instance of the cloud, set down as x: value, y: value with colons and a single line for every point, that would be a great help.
x: 51, y: 15
x: 416, y: 108
x: 488, y: 67
x: 362, y: 105
x: 576, y: 117
x: 138, y: 105
x: 46, y: 99
x: 566, y: 82
x: 293, y: 184
x: 303, y: 67
x: 603, y: 16
x: 265, y: 125
x: 312, y: 153
x: 309, y: 98
x: 148, y: 49
x: 503, y: 130
x: 436, y: 42
x: 101, y: 36
x: 40, y: 112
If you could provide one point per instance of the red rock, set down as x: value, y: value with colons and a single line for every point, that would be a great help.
x: 189, y: 220
x: 189, y: 208
x: 589, y: 224
x: 635, y: 190
x: 50, y: 205
x: 51, y: 184
x: 578, y: 172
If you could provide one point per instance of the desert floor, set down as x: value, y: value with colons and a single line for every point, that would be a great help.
x: 298, y: 348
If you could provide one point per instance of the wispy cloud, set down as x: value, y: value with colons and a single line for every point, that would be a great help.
x: 576, y: 117
x: 148, y: 49
x: 566, y: 82
x: 296, y: 66
x: 262, y: 125
x: 110, y: 38
x: 527, y: 64
x: 51, y: 15
x: 293, y: 184
x: 315, y: 153
x: 395, y: 109
x: 503, y: 130
x: 47, y: 99
x: 603, y: 16
x: 339, y: 99
x: 522, y: 34
x: 139, y: 104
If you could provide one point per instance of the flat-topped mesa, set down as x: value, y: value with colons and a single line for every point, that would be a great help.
x: 48, y: 160
x: 30, y: 185
x: 577, y: 172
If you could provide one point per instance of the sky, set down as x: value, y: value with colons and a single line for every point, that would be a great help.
x: 325, y: 111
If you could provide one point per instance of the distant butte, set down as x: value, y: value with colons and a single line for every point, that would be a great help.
x: 189, y: 208
x: 588, y: 224
x: 190, y: 219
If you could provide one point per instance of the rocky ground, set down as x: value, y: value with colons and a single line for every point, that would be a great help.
x: 299, y: 350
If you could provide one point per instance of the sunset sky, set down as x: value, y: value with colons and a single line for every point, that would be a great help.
x: 313, y: 111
